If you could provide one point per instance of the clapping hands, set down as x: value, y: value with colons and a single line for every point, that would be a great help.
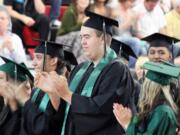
x: 53, y: 83
x: 122, y: 114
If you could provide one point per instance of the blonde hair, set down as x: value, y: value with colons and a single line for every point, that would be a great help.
x: 151, y: 95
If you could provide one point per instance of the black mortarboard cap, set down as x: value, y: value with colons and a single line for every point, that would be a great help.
x: 55, y: 50
x: 97, y: 21
x: 122, y: 49
x: 17, y: 71
x: 160, y: 40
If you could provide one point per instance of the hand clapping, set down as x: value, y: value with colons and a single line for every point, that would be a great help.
x: 122, y: 114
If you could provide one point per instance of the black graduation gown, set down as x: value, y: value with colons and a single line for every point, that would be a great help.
x: 10, y: 121
x: 94, y: 115
x: 37, y: 122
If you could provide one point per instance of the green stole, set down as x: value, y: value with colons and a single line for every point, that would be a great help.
x: 44, y: 101
x: 88, y: 87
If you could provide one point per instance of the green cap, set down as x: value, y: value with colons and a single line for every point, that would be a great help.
x: 161, y: 72
x: 15, y: 70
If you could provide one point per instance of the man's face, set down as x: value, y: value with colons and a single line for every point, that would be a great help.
x: 38, y: 62
x: 156, y: 54
x: 150, y: 5
x: 92, y: 44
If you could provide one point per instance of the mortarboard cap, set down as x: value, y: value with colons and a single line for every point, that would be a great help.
x: 97, y: 21
x: 161, y: 72
x: 123, y: 49
x: 15, y: 70
x: 160, y: 40
x: 55, y: 50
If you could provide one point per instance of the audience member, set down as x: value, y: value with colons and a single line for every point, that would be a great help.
x: 151, y: 18
x: 55, y: 12
x: 127, y: 21
x: 99, y: 7
x: 10, y: 44
x: 29, y: 13
x: 71, y: 23
x: 165, y: 5
x: 173, y: 20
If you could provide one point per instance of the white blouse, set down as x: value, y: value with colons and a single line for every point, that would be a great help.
x: 18, y: 54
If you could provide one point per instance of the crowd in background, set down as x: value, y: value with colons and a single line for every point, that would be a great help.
x: 137, y: 19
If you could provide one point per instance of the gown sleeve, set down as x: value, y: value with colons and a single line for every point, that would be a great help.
x: 12, y: 123
x: 37, y: 122
x: 162, y: 121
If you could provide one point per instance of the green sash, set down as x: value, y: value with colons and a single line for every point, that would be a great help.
x: 44, y: 101
x: 88, y: 88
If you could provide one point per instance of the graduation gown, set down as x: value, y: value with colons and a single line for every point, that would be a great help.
x: 10, y: 122
x: 37, y: 122
x: 161, y: 121
x: 94, y: 115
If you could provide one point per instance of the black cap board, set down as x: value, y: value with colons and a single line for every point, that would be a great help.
x: 55, y: 50
x: 122, y: 49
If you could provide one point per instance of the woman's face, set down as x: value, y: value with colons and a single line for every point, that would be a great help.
x: 4, y: 22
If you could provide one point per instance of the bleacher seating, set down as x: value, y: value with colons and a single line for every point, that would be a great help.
x: 29, y: 34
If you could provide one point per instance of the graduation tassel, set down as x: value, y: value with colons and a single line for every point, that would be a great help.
x: 172, y: 51
x: 45, y: 52
x: 120, y: 51
x: 15, y: 74
x: 104, y: 36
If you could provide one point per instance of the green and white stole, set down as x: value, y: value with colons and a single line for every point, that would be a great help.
x: 88, y: 88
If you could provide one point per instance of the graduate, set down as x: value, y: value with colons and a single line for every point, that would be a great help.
x: 15, y: 86
x: 157, y: 109
x: 124, y: 52
x: 160, y: 47
x: 95, y: 85
x: 42, y: 115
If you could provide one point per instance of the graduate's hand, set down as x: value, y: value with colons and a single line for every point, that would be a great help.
x: 45, y: 82
x: 6, y: 90
x: 62, y: 88
x: 23, y: 92
x: 122, y: 114
x: 8, y: 94
x: 36, y: 77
